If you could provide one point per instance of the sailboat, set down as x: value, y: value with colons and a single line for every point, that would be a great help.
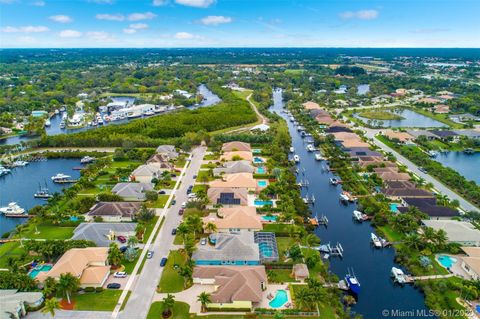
x: 43, y: 192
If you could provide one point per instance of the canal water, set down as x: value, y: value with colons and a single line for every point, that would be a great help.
x: 371, y: 266
x: 20, y: 185
x: 410, y: 119
x: 209, y: 98
x: 466, y: 164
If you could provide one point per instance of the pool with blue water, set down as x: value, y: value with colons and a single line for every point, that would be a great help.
x: 259, y: 202
x: 447, y: 261
x: 262, y: 183
x: 280, y: 299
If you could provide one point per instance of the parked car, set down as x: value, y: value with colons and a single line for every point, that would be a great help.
x: 123, y: 249
x: 114, y: 285
x: 203, y: 241
x: 150, y: 254
x: 184, y: 204
x: 181, y: 211
x: 161, y: 192
x: 422, y: 169
x: 174, y: 231
x: 174, y: 201
x: 122, y: 239
x: 120, y: 274
x: 163, y: 262
x: 192, y: 195
x: 194, y: 176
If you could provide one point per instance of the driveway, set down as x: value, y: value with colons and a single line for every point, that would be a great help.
x: 189, y: 296
x: 71, y: 314
x: 121, y: 281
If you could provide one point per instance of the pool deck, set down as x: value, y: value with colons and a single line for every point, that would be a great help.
x: 272, y: 289
x: 456, y: 268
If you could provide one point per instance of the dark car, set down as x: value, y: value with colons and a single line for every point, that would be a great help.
x: 123, y: 249
x: 161, y: 192
x: 174, y: 231
x: 114, y: 285
x: 122, y: 239
x: 181, y: 211
x: 174, y: 201
x: 189, y: 190
x: 163, y: 262
x: 423, y: 170
x: 194, y: 176
x: 173, y: 175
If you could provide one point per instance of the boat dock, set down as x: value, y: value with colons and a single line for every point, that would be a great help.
x: 66, y: 181
x: 411, y: 279
x: 342, y: 285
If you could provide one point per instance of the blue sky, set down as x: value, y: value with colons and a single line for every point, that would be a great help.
x: 239, y: 23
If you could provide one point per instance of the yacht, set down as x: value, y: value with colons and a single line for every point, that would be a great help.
x: 59, y: 178
x: 292, y: 149
x: 398, y: 275
x: 20, y: 163
x: 42, y: 192
x: 352, y: 283
x: 344, y: 198
x: 4, y: 171
x: 310, y: 148
x: 358, y: 216
x: 12, y: 210
x: 335, y: 181
x: 376, y: 241
x: 296, y: 158
x: 318, y: 157
x: 432, y: 153
x: 149, y: 113
x: 87, y: 159
x: 62, y: 125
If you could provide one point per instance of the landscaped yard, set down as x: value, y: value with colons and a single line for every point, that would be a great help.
x: 160, y: 202
x: 101, y: 301
x: 11, y: 249
x: 180, y: 310
x: 277, y: 228
x: 283, y: 244
x: 171, y: 281
x: 48, y: 232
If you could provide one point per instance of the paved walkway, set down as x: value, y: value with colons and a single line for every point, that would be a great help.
x: 71, y: 314
x: 189, y: 296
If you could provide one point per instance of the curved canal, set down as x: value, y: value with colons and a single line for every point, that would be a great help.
x: 371, y: 266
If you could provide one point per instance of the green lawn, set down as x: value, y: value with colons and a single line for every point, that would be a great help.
x: 280, y: 276
x: 11, y: 249
x: 392, y: 235
x: 102, y: 301
x: 171, y: 281
x: 196, y: 188
x: 277, y: 228
x: 159, y: 203
x: 243, y: 94
x: 180, y: 310
x: 380, y: 115
x: 48, y: 232
x: 283, y: 243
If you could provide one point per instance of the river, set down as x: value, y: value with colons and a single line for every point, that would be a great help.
x: 209, y: 98
x: 20, y: 185
x: 371, y: 266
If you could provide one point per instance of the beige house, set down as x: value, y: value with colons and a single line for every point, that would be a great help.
x: 113, y: 211
x: 403, y: 137
x: 228, y: 196
x: 236, y: 146
x: 235, y: 286
x: 242, y: 180
x: 90, y: 265
x: 237, y: 155
x: 311, y: 105
x: 471, y: 264
x: 145, y: 173
x: 234, y: 219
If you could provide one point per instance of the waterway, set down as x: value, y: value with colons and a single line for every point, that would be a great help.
x: 209, y: 99
x: 410, y: 119
x: 363, y: 89
x: 466, y: 164
x: 371, y: 266
x: 20, y: 185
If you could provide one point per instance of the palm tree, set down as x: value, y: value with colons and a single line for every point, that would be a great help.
x: 428, y: 234
x: 49, y: 287
x: 168, y: 303
x: 441, y: 238
x: 114, y: 255
x: 413, y: 241
x: 67, y: 284
x: 302, y: 299
x: 183, y: 230
x: 50, y: 305
x: 311, y: 240
x: 204, y: 299
x: 195, y: 224
x: 211, y: 228
x: 189, y: 245
x: 186, y: 272
x: 132, y: 241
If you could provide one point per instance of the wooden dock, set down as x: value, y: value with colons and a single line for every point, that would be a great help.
x: 66, y: 181
x: 412, y: 279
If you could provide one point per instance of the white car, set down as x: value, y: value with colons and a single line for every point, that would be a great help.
x: 120, y: 274
x: 203, y: 241
x: 150, y: 254
x: 192, y: 195
x: 184, y: 204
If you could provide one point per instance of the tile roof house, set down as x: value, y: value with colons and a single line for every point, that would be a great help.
x: 161, y: 161
x: 234, y: 286
x: 132, y: 191
x: 459, y: 232
x: 238, y: 180
x: 325, y: 119
x: 441, y: 109
x: 241, y: 155
x: 236, y: 249
x: 90, y: 265
x: 234, y: 167
x: 236, y: 146
x: 397, y: 193
x: 392, y: 176
x: 168, y: 150
x: 228, y: 196
x: 471, y: 263
x: 444, y: 135
x: 311, y: 105
x: 113, y: 211
x: 417, y: 133
x: 103, y: 234
x: 357, y: 152
x: 399, y: 184
x: 402, y: 137
x: 146, y: 173
x: 234, y: 219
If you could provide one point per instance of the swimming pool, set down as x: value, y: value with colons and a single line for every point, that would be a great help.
x: 393, y: 208
x: 261, y: 170
x: 257, y: 160
x: 259, y: 202
x: 447, y: 261
x: 38, y: 269
x: 262, y: 183
x: 280, y: 299
x: 269, y: 218
x: 256, y: 151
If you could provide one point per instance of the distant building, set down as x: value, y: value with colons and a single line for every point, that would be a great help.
x: 113, y: 211
x: 132, y: 191
x: 236, y: 146
x: 168, y: 150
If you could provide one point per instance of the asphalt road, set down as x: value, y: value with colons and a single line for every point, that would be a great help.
x: 464, y: 204
x: 143, y: 289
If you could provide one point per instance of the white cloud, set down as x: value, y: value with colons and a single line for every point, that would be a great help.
x: 184, y: 36
x: 70, y: 34
x: 215, y: 20
x: 138, y: 26
x: 100, y: 36
x: 141, y: 16
x: 25, y: 29
x: 159, y: 3
x: 39, y: 3
x: 129, y: 31
x: 61, y: 18
x: 196, y: 3
x: 360, y: 14
x: 110, y: 17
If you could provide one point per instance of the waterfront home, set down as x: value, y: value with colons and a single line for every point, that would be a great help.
x: 311, y: 105
x: 168, y: 150
x: 324, y: 119
x: 234, y: 167
x: 463, y: 233
x: 393, y: 176
x: 471, y: 263
x: 401, y: 137
x: 132, y: 191
x: 300, y: 272
x: 398, y: 184
x: 349, y: 140
x: 113, y: 211
x: 445, y: 135
x: 14, y: 304
x: 428, y: 205
x: 334, y: 128
x: 146, y: 173
x: 237, y: 249
x: 89, y: 265
x: 228, y: 196
x: 237, y: 155
x: 417, y: 133
x: 469, y: 133
x: 399, y: 193
x: 161, y: 161
x: 380, y: 170
x: 238, y: 180
x: 234, y: 219
x: 357, y: 152
x: 377, y: 161
x: 462, y: 118
x: 441, y: 109
x: 103, y: 234
x: 236, y: 146
x: 235, y: 287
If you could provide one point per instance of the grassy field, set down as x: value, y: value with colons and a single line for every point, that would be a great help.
x: 47, y: 232
x: 180, y: 310
x: 171, y: 281
x: 380, y: 115
x: 11, y: 249
x: 102, y: 301
x: 159, y: 203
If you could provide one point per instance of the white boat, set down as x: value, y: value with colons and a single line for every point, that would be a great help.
x: 60, y: 178
x: 344, y: 198
x: 296, y: 158
x: 87, y: 159
x: 20, y: 163
x: 335, y: 181
x: 432, y: 153
x: 12, y: 210
x: 62, y: 125
x: 376, y: 241
x: 149, y: 113
x: 292, y: 149
x: 48, y: 123
x: 57, y: 111
x: 310, y: 148
x: 43, y: 193
x: 398, y: 275
x: 318, y: 157
x: 4, y: 171
x: 357, y: 216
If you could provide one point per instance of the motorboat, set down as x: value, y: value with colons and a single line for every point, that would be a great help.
x: 59, y: 178
x: 149, y: 113
x: 310, y: 148
x: 376, y: 241
x: 48, y: 123
x: 432, y: 153
x: 62, y: 125
x: 358, y: 216
x: 292, y: 149
x: 4, y: 171
x: 335, y: 181
x: 398, y: 275
x: 87, y: 159
x: 344, y: 198
x: 20, y: 163
x: 318, y: 157
x: 12, y: 210
x: 296, y: 158
x: 352, y: 283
